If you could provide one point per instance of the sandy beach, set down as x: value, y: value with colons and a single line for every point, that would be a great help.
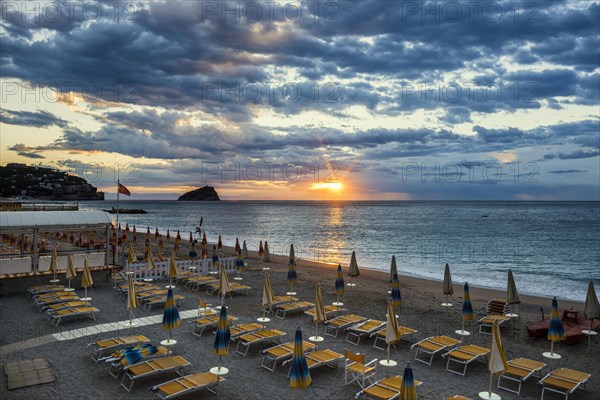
x: 78, y: 376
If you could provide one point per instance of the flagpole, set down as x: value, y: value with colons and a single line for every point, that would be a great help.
x: 117, y: 228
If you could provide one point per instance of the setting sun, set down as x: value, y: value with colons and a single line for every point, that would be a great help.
x: 334, y: 187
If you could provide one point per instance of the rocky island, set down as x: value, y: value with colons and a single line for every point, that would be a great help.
x: 38, y: 182
x: 206, y: 193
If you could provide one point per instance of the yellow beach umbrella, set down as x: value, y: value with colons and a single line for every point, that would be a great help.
x: 172, y: 270
x: 224, y: 286
x: 320, y: 315
x: 71, y: 272
x: 132, y: 301
x: 267, y: 297
x: 392, y: 331
x: 86, y: 279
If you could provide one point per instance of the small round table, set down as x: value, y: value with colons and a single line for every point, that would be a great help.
x: 489, y: 396
x: 552, y: 356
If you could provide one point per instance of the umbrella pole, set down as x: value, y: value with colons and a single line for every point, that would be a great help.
x: 590, y: 337
x: 85, y: 292
x: 69, y: 280
x: 552, y: 347
x: 490, y: 386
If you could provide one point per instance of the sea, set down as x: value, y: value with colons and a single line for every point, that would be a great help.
x: 553, y: 248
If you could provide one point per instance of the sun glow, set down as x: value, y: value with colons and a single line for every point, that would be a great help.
x: 332, y: 186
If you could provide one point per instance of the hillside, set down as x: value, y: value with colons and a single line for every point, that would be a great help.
x: 35, y: 182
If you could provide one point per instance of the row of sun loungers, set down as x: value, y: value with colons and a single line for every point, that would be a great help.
x: 60, y: 303
x: 281, y: 353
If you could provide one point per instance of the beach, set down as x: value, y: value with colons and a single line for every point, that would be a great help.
x: 78, y: 376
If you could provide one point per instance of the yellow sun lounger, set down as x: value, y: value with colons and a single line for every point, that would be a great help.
x: 107, y: 346
x: 432, y: 346
x: 365, y: 328
x: 265, y: 335
x: 330, y: 311
x: 385, y: 389
x: 53, y: 308
x: 58, y: 316
x: 486, y: 323
x: 464, y: 355
x: 186, y: 385
x: 234, y: 287
x: 320, y: 358
x: 519, y: 370
x: 334, y: 326
x: 197, y: 282
x: 209, y: 322
x: 382, y: 333
x: 242, y: 329
x: 458, y: 397
x: 281, y: 352
x: 147, y: 369
x: 161, y: 300
x: 118, y: 365
x: 47, y: 302
x: 151, y: 293
x: 293, y: 307
x: 44, y: 289
x: 564, y: 381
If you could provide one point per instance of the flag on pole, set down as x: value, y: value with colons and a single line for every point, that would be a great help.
x: 123, y: 190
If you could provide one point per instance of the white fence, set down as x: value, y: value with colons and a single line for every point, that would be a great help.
x: 200, y: 267
x: 16, y: 264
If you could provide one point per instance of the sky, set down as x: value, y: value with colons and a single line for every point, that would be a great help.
x: 298, y: 100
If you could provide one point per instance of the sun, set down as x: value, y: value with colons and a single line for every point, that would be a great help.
x: 331, y: 186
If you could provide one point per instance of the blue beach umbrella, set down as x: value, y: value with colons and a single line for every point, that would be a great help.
x: 408, y: 391
x: 340, y: 288
x: 215, y: 257
x: 133, y: 355
x: 193, y: 254
x: 396, y: 296
x: 171, y: 319
x: 239, y: 262
x: 299, y: 373
x: 223, y: 336
x: 467, y: 307
x: 292, y: 276
x: 556, y: 330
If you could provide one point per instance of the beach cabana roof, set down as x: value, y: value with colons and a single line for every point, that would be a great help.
x: 19, y: 220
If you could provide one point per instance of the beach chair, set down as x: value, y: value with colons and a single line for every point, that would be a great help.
x: 334, y: 326
x: 43, y: 289
x: 151, y: 368
x: 357, y: 370
x: 60, y: 315
x: 385, y: 389
x: 519, y: 370
x: 196, y: 282
x: 208, y: 322
x: 564, y: 381
x: 432, y: 346
x: 281, y: 353
x: 294, y: 307
x: 161, y: 300
x: 53, y: 308
x: 241, y: 329
x: 185, y: 385
x: 257, y: 337
x: 118, y: 363
x: 382, y: 333
x: 43, y: 305
x: 234, y: 287
x: 499, y: 307
x: 330, y: 311
x: 365, y: 328
x: 486, y: 323
x: 320, y: 358
x: 464, y: 355
x: 108, y: 346
x: 151, y: 293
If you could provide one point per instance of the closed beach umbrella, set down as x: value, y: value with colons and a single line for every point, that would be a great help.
x: 204, y: 250
x: 192, y: 253
x: 244, y: 250
x: 224, y: 286
x: 71, y: 272
x: 131, y: 257
x: 172, y: 270
x: 178, y: 237
x: 320, y: 315
x: 266, y: 255
x: 512, y: 295
x: 156, y: 233
x: 54, y: 263
x: 204, y: 241
x: 467, y: 310
x: 191, y: 238
x: 237, y: 247
x: 292, y: 276
x: 220, y: 245
x: 223, y: 336
x: 176, y: 248
x: 396, y: 296
x: 86, y: 279
x: 215, y: 257
x: 171, y: 318
x: 556, y: 330
x: 408, y: 391
x: 127, y: 227
x: 299, y: 372
x: 240, y: 266
x: 150, y: 265
x: 168, y: 234
x: 497, y: 361
x: 132, y: 301
x: 261, y: 250
x: 447, y: 288
x: 340, y: 288
x: 393, y: 268
x: 134, y: 239
x: 148, y: 230
x: 591, y: 309
x: 353, y: 271
x: 292, y: 253
x: 267, y: 299
x: 392, y: 331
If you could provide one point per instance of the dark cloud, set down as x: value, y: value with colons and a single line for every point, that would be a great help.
x: 26, y: 151
x: 567, y: 171
x: 36, y: 119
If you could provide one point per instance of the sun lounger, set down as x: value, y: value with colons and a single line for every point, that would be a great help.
x: 385, y: 389
x: 151, y: 368
x: 161, y: 300
x: 432, y: 346
x: 234, y: 287
x: 119, y: 363
x: 58, y: 316
x: 186, y: 385
x: 458, y: 397
x: 330, y: 311
x: 294, y: 307
x: 196, y: 282
x: 281, y: 353
x: 464, y: 355
x: 365, y: 328
x: 499, y: 307
x: 253, y: 338
x: 53, y: 308
x: 382, y: 333
x: 356, y: 369
x: 320, y: 358
x: 151, y: 293
x: 242, y: 329
x: 334, y: 326
x: 519, y: 370
x: 486, y: 323
x: 107, y: 346
x: 564, y: 381
x: 209, y: 322
x: 61, y: 298
x: 43, y: 289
